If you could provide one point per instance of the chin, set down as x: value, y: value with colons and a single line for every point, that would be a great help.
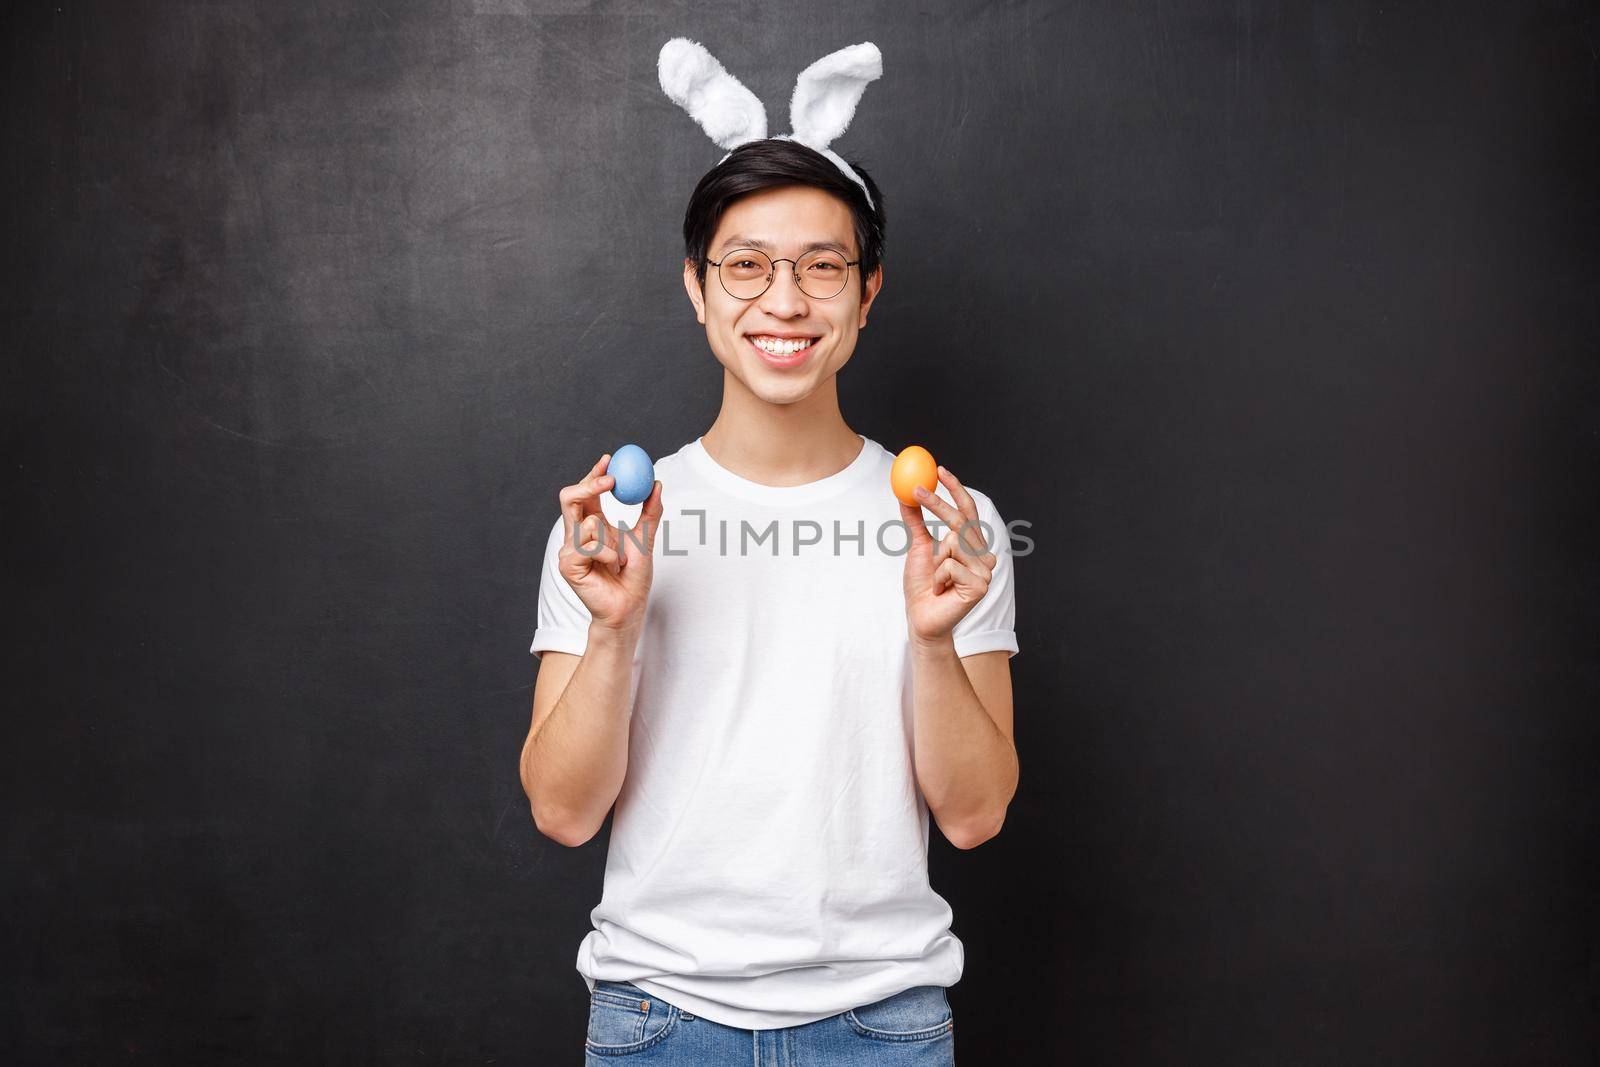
x: 780, y: 392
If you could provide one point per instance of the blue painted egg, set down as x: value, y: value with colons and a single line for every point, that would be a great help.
x: 630, y: 465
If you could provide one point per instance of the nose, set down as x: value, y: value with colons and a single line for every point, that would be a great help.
x: 783, y: 298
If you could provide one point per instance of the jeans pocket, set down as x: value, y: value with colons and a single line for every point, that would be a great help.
x: 920, y: 1013
x: 624, y: 1019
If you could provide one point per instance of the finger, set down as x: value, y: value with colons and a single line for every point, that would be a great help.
x: 956, y: 574
x: 599, y: 549
x: 611, y: 533
x: 581, y: 500
x: 592, y: 553
x: 595, y: 532
x: 594, y: 528
x: 958, y: 492
x: 972, y: 540
x: 607, y: 556
x: 937, y: 504
x: 979, y: 569
x: 971, y: 535
x: 583, y: 496
x: 950, y: 548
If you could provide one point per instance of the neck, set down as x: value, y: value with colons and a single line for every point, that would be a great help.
x: 781, y: 444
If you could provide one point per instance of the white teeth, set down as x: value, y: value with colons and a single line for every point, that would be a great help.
x: 776, y: 347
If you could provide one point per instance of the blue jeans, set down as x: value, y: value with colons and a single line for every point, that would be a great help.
x: 628, y: 1026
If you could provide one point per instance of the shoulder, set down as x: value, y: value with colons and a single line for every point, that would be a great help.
x: 673, y: 463
x: 882, y: 459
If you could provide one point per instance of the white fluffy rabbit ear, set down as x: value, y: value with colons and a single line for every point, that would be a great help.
x: 826, y: 93
x: 728, y: 112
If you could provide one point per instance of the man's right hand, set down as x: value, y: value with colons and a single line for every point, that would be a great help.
x: 610, y: 572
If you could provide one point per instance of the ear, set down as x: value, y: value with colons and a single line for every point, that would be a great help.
x: 826, y: 93
x: 697, y: 295
x: 728, y: 112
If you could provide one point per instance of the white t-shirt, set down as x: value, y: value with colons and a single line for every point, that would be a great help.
x: 768, y: 863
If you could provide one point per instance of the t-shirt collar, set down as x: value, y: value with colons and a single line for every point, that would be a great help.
x: 724, y: 479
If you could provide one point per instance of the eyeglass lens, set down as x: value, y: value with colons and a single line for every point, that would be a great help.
x: 746, y: 273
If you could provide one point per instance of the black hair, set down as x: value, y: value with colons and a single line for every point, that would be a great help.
x: 771, y: 163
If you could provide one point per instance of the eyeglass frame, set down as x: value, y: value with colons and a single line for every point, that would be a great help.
x: 795, y: 273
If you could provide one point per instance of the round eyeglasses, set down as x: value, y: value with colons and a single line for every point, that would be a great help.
x: 746, y: 273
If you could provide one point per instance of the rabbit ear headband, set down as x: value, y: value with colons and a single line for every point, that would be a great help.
x: 824, y: 100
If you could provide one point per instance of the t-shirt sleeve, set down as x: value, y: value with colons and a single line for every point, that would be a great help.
x: 563, y: 623
x: 991, y: 624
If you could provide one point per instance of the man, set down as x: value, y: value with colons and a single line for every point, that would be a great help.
x: 772, y: 685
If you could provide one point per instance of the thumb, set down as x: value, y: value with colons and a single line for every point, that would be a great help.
x: 649, y: 524
x: 916, y: 530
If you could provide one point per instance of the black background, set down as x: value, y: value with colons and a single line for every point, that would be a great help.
x: 1277, y: 321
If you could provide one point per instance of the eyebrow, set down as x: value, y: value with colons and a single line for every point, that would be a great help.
x: 740, y: 241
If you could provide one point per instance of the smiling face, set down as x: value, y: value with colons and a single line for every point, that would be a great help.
x: 755, y: 340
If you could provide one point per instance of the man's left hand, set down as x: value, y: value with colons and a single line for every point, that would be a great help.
x: 943, y: 581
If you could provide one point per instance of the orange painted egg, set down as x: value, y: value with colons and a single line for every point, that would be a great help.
x: 913, y: 467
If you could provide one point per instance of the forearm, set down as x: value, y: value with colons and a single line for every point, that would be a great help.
x: 966, y: 768
x: 574, y: 765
